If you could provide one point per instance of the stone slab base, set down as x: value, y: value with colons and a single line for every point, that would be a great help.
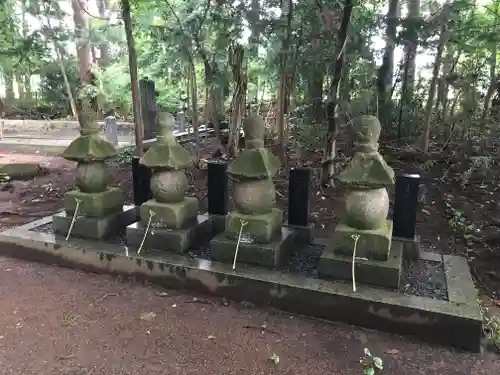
x: 271, y: 255
x: 371, y: 272
x: 456, y: 322
x: 95, y: 228
x: 177, y: 240
x: 95, y: 205
x: 371, y: 244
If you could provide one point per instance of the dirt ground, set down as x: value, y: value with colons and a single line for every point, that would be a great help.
x: 59, y: 321
x: 93, y: 322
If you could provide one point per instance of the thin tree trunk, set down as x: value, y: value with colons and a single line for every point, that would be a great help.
x: 283, y: 92
x: 71, y: 99
x: 134, y: 81
x: 9, y: 87
x: 102, y: 5
x: 327, y: 170
x: 493, y: 67
x: 386, y: 70
x: 443, y: 39
x: 193, y: 87
x: 83, y: 49
x: 236, y: 62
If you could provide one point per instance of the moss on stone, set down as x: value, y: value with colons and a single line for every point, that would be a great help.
x: 20, y: 171
x: 255, y: 164
x: 168, y: 156
x: 90, y: 147
x: 261, y: 227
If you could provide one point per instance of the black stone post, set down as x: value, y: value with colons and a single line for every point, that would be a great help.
x: 141, y: 177
x: 148, y: 107
x: 217, y: 184
x: 404, y: 215
x: 298, y: 196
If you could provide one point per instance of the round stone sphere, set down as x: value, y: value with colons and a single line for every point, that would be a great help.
x: 367, y: 209
x: 169, y: 186
x: 254, y: 197
x: 92, y: 177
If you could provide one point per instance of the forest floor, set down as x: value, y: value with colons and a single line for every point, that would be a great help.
x: 93, y: 322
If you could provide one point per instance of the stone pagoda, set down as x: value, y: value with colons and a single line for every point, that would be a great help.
x: 170, y: 220
x: 365, y: 226
x: 93, y: 210
x: 262, y: 240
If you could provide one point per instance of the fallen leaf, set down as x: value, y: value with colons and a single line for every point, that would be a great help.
x: 275, y: 358
x: 149, y: 316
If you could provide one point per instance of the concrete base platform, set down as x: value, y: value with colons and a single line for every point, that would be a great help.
x: 271, y: 255
x: 456, y: 322
x: 177, y: 240
x: 371, y: 272
x: 96, y: 228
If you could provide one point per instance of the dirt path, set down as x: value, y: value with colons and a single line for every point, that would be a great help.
x: 58, y: 321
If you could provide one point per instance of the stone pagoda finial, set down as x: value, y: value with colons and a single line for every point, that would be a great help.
x: 169, y: 185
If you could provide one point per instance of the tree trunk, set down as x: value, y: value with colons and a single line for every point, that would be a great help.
x: 327, y: 170
x: 83, y: 50
x: 493, y: 67
x: 9, y: 88
x: 386, y: 70
x: 193, y: 94
x: 283, y: 92
x: 20, y: 87
x: 443, y: 39
x: 60, y: 60
x: 134, y: 82
x: 102, y: 6
x: 238, y: 68
x: 411, y: 49
x: 27, y: 87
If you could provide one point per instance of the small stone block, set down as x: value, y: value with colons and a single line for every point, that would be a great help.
x: 372, y: 244
x: 94, y: 228
x: 218, y: 223
x: 261, y: 227
x: 411, y: 248
x: 94, y: 205
x: 170, y: 215
x: 369, y: 272
x: 177, y: 240
x: 272, y: 254
x: 304, y: 231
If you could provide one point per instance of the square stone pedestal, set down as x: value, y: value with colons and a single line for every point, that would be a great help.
x: 170, y: 215
x: 95, y: 228
x: 371, y: 272
x: 263, y: 227
x: 96, y: 205
x: 371, y: 244
x: 177, y: 240
x: 272, y: 254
